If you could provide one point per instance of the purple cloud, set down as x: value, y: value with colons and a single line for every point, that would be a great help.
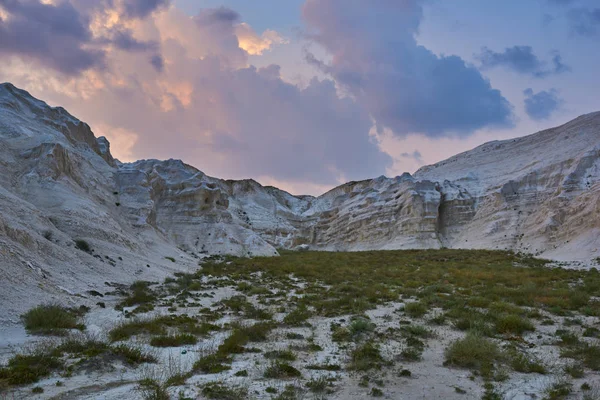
x: 541, y: 105
x: 54, y: 35
x: 404, y: 86
x: 143, y: 8
x: 523, y: 60
x: 585, y: 22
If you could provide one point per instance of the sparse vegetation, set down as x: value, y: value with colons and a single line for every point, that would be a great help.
x: 496, y: 298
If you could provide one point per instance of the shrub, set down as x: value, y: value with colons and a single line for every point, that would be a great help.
x: 81, y: 347
x: 575, y: 370
x: 286, y: 355
x: 587, y: 353
x: 567, y: 338
x: 559, y: 390
x: 50, y: 319
x: 318, y: 385
x: 153, y: 390
x: 411, y: 354
x: 297, y: 317
x: 416, y: 330
x: 340, y: 334
x: 360, y: 327
x: 324, y: 367
x: 415, y: 310
x: 26, y: 369
x: 140, y: 294
x: 522, y: 363
x: 365, y: 357
x: 82, y: 245
x: 511, y: 323
x: 234, y: 344
x: 473, y: 351
x: 133, y: 355
x: 182, y: 339
x: 127, y: 329
x: 281, y: 370
x: 218, y: 391
x: 257, y: 332
x: 213, y: 364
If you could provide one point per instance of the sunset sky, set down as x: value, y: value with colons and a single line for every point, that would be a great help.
x: 306, y: 94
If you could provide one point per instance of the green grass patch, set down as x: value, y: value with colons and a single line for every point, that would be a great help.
x: 297, y: 317
x: 212, y: 364
x: 51, y: 319
x: 351, y: 283
x: 281, y: 370
x: 416, y: 309
x: 473, y: 352
x: 219, y: 391
x: 513, y: 324
x: 365, y: 357
x: 284, y: 355
x: 27, y: 369
x: 127, y: 329
x: 182, y: 339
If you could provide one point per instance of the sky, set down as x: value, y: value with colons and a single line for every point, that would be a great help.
x: 305, y: 94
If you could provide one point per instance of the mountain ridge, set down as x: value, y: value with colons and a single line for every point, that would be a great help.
x: 59, y: 183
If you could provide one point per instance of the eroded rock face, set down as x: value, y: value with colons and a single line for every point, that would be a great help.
x: 539, y: 194
x: 188, y: 207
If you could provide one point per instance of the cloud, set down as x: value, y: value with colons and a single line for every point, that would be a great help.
x: 254, y: 44
x: 561, y: 2
x: 415, y: 155
x: 584, y: 22
x: 142, y: 8
x: 404, y: 86
x: 55, y: 35
x: 123, y: 39
x: 72, y: 36
x: 522, y: 59
x: 542, y: 105
x: 209, y: 107
x: 157, y: 62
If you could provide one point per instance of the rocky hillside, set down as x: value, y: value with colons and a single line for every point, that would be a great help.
x: 60, y: 184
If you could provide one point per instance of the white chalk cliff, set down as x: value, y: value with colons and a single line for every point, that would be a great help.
x: 59, y: 183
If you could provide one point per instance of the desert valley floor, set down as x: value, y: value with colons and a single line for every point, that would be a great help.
x: 413, y: 324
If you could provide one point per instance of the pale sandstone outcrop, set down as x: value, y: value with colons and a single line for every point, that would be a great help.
x: 58, y: 183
